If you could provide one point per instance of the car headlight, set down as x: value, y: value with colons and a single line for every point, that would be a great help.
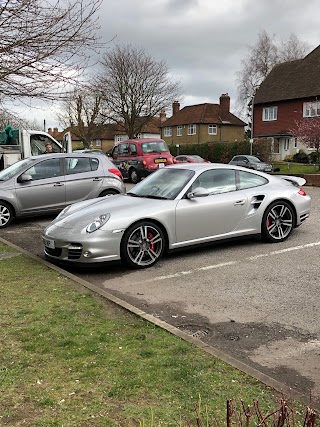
x: 97, y: 223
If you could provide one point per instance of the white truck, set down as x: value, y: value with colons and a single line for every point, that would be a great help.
x: 17, y: 144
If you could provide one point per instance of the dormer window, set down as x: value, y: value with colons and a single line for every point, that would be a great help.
x: 269, y: 114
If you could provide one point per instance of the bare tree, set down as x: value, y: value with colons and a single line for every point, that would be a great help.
x: 135, y: 87
x: 15, y: 121
x: 261, y: 58
x: 44, y: 45
x: 82, y: 113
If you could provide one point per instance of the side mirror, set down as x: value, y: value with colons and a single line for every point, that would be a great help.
x: 24, y: 178
x: 198, y: 192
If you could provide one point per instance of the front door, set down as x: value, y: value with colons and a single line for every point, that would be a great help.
x: 46, y: 192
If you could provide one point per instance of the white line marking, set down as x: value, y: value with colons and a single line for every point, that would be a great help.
x: 226, y: 264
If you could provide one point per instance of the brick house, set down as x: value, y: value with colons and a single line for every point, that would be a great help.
x: 198, y: 124
x: 290, y: 92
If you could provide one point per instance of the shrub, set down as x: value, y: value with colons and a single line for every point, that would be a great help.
x: 289, y: 158
x: 301, y: 157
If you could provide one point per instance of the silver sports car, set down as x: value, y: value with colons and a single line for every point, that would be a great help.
x: 175, y: 207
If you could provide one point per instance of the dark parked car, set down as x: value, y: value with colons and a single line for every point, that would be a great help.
x: 251, y: 162
x: 48, y: 183
x: 190, y: 158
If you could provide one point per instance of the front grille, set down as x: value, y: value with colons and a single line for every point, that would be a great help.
x: 53, y: 252
x: 74, y: 251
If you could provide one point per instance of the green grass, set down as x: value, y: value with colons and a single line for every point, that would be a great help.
x: 69, y: 358
x: 295, y: 168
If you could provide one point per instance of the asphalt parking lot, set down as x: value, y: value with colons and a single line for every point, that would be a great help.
x: 256, y: 302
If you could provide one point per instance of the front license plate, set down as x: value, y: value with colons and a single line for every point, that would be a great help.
x: 160, y: 160
x: 49, y: 243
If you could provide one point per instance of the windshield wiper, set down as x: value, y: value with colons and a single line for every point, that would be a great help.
x: 133, y: 195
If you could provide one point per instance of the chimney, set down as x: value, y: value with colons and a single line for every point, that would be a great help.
x: 163, y: 116
x: 224, y: 105
x: 175, y: 107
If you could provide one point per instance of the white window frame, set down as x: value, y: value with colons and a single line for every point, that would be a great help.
x: 120, y: 138
x: 192, y: 129
x: 168, y: 131
x: 286, y: 144
x: 269, y: 114
x: 179, y: 130
x: 98, y: 142
x: 212, y: 129
x: 311, y: 109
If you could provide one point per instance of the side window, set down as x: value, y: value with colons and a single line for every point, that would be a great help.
x: 78, y: 165
x: 250, y: 180
x: 115, y: 151
x: 217, y: 181
x: 182, y: 159
x: 133, y: 149
x: 46, y: 169
x: 38, y: 144
x: 123, y: 149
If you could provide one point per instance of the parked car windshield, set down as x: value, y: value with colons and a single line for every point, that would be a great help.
x: 254, y: 159
x: 154, y: 147
x: 165, y: 183
x: 17, y: 167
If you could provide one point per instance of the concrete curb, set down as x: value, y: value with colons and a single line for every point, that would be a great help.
x: 265, y: 379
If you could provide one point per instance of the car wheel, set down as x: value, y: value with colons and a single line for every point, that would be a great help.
x: 6, y: 214
x: 278, y: 222
x: 108, y: 192
x: 142, y: 244
x: 134, y: 176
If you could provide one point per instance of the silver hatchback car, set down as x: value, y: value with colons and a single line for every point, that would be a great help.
x: 48, y: 183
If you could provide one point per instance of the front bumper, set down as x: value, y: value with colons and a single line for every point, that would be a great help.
x: 66, y: 245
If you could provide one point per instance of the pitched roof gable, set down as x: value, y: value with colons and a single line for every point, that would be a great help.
x: 292, y: 80
x: 202, y: 114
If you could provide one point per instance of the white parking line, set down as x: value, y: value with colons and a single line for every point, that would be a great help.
x: 226, y: 264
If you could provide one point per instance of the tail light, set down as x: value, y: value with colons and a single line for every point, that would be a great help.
x: 302, y: 192
x: 116, y: 172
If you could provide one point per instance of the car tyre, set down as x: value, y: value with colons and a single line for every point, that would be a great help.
x: 134, y: 176
x: 142, y: 244
x: 278, y: 222
x: 6, y: 214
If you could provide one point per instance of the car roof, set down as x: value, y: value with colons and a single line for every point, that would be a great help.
x: 206, y: 166
x: 140, y: 140
x: 75, y: 155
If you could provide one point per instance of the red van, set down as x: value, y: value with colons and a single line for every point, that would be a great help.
x: 137, y: 158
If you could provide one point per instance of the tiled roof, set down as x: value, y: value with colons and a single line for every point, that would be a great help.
x: 292, y: 80
x: 202, y: 113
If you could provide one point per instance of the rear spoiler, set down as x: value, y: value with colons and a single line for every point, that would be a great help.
x: 295, y: 180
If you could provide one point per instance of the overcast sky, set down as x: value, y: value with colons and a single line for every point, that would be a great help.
x: 202, y: 41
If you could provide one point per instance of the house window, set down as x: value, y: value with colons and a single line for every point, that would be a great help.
x: 179, y: 130
x: 311, y: 109
x: 269, y: 114
x: 167, y: 131
x: 120, y: 138
x: 286, y: 144
x: 295, y: 142
x: 98, y: 142
x: 192, y: 129
x: 276, y: 146
x: 212, y: 129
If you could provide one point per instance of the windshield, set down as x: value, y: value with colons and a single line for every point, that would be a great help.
x: 254, y: 159
x: 165, y: 183
x: 14, y: 169
x: 154, y: 147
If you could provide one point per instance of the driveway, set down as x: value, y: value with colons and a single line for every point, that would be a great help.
x: 256, y: 302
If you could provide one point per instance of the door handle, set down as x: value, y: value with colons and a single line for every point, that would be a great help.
x: 96, y: 179
x: 58, y: 184
x: 239, y: 203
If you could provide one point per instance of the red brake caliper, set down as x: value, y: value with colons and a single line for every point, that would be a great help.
x: 150, y: 237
